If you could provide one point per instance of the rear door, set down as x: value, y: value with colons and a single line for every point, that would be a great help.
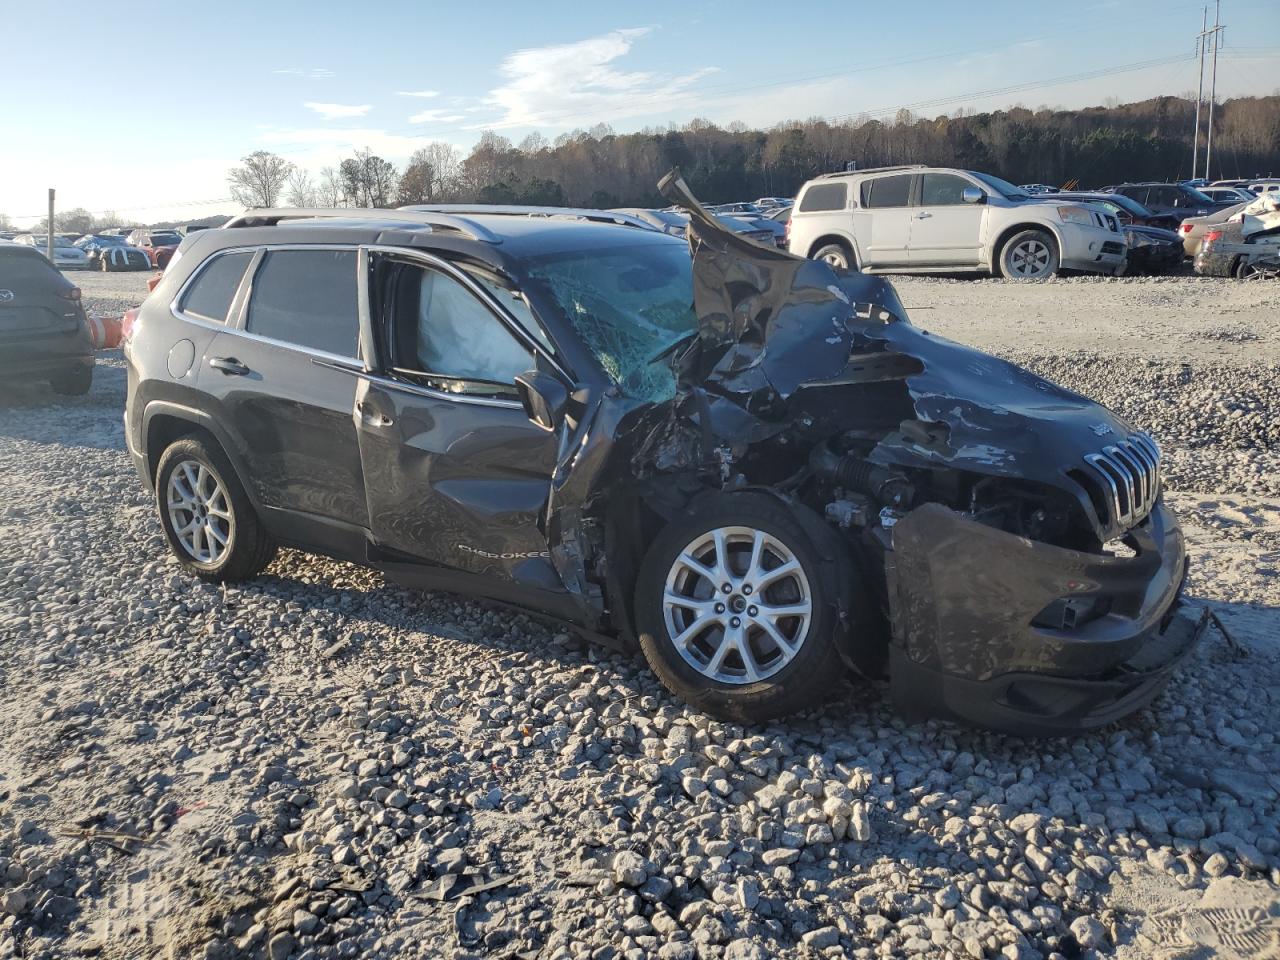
x: 456, y: 473
x: 887, y: 200
x: 944, y: 229
x: 281, y: 376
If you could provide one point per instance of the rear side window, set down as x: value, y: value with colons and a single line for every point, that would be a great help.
x: 887, y: 191
x: 307, y: 298
x: 824, y: 196
x: 210, y: 296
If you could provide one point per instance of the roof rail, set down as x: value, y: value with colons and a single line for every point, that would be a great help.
x: 513, y: 210
x: 272, y: 216
x: 854, y: 173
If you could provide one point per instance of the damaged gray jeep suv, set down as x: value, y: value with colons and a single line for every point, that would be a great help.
x: 750, y: 467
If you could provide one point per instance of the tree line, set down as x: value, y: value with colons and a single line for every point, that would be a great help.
x: 1149, y: 140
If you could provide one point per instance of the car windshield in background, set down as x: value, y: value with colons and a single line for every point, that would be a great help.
x: 165, y: 239
x: 1198, y: 196
x: 1128, y: 204
x: 1002, y: 187
x: 628, y: 304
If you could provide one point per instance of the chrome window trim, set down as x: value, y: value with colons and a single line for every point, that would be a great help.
x: 503, y: 315
x: 343, y: 365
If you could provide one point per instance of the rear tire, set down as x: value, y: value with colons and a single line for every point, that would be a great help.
x: 1029, y: 255
x: 835, y: 255
x: 1242, y: 269
x: 207, y: 518
x: 726, y: 653
x: 72, y: 382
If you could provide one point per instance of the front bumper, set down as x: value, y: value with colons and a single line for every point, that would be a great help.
x: 1092, y: 249
x: 963, y: 598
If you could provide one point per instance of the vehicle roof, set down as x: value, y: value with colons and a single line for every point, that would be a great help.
x: 509, y: 231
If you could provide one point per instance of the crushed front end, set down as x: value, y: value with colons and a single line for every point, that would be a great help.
x: 1011, y: 533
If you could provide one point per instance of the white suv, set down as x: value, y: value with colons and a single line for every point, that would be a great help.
x: 934, y: 220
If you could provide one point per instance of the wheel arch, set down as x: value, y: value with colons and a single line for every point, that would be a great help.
x: 843, y: 239
x: 1008, y: 233
x: 164, y: 422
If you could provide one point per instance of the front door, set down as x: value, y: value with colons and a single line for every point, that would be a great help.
x: 945, y: 231
x: 457, y: 476
x: 290, y: 416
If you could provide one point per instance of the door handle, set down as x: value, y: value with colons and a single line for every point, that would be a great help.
x: 924, y: 215
x: 372, y: 418
x: 229, y: 366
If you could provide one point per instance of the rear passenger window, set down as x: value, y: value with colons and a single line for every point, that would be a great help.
x: 887, y: 191
x: 210, y: 296
x: 307, y: 298
x: 824, y: 196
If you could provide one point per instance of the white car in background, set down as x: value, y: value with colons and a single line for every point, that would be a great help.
x: 916, y: 219
x: 66, y: 255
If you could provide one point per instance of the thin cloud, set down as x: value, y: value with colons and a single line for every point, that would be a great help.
x: 569, y: 84
x: 315, y: 73
x: 436, y: 116
x: 417, y: 93
x: 338, y: 111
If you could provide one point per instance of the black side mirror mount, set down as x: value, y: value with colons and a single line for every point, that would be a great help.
x: 544, y: 398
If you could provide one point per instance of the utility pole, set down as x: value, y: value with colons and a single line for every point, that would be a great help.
x: 1213, y: 84
x: 1195, y: 143
x: 49, y: 238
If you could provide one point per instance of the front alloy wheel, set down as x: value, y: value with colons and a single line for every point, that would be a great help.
x: 735, y: 609
x: 737, y: 605
x: 1030, y: 255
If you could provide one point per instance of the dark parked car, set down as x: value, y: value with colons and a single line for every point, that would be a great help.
x: 1174, y: 200
x: 745, y: 464
x: 1124, y: 208
x: 109, y: 251
x: 158, y: 245
x: 1152, y: 250
x: 44, y: 334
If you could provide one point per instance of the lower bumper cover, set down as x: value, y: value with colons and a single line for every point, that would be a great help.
x: 964, y: 602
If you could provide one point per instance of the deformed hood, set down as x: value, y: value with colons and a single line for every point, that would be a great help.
x: 774, y: 327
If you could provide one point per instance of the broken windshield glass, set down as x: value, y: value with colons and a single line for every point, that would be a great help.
x: 629, y: 305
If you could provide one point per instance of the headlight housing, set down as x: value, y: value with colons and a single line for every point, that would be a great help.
x: 1073, y: 214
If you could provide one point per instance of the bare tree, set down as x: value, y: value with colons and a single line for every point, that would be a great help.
x: 329, y: 192
x: 260, y: 178
x: 300, y: 191
x: 367, y: 180
x: 418, y: 182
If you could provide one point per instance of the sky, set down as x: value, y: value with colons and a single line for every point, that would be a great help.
x: 143, y: 115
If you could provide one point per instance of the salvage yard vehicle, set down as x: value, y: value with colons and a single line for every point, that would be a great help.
x: 917, y: 219
x: 66, y: 255
x: 44, y: 334
x: 750, y: 467
x: 1193, y: 229
x: 109, y: 251
x: 1175, y: 200
x: 158, y: 245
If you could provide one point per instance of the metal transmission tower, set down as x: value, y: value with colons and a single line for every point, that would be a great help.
x: 1195, y: 143
x: 1213, y: 84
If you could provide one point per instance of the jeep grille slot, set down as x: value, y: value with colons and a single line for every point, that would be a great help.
x: 1130, y: 473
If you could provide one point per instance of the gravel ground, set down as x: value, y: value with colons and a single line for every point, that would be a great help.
x: 318, y: 764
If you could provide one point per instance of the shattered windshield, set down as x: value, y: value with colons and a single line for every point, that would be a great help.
x: 629, y: 304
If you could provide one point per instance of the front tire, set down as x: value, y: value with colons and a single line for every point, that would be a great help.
x: 207, y: 518
x: 1029, y: 255
x: 765, y: 646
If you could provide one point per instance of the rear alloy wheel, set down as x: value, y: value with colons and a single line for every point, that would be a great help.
x: 1029, y: 255
x: 834, y: 255
x: 1243, y: 269
x: 211, y: 526
x: 732, y: 612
